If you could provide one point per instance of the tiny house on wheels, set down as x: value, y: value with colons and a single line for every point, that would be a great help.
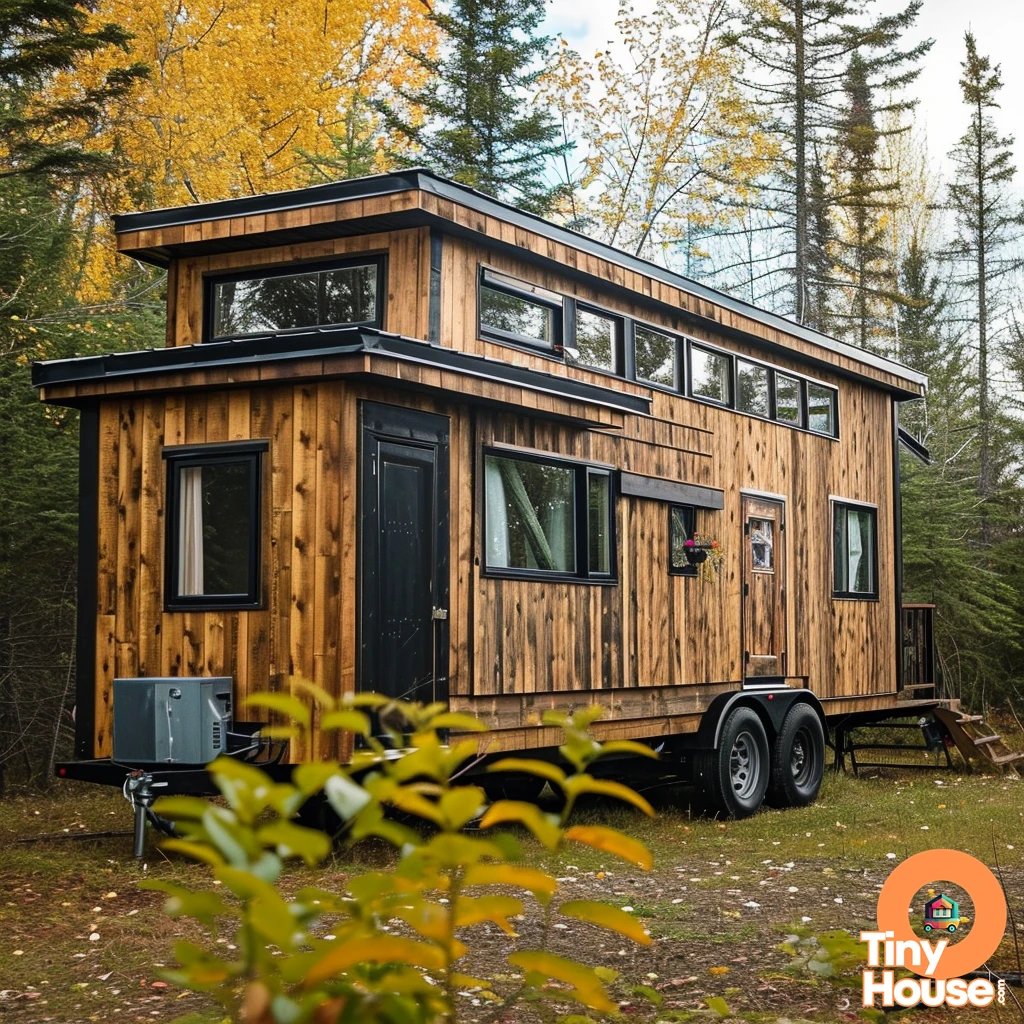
x: 406, y: 438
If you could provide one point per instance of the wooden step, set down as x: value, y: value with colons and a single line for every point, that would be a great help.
x: 981, y: 741
x: 963, y: 719
x: 1007, y: 758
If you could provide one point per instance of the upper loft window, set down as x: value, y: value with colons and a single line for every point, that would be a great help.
x: 512, y: 310
x: 597, y: 340
x: 821, y: 409
x: 657, y: 357
x: 753, y: 388
x: 268, y: 302
x: 213, y: 526
x: 710, y: 375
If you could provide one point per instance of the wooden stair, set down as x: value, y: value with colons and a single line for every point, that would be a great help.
x: 974, y: 739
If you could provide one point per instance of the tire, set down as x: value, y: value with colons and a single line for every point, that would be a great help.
x: 734, y: 776
x: 798, y: 759
x: 927, y: 928
x: 951, y: 928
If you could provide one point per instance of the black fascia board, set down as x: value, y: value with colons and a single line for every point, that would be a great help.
x: 444, y: 188
x: 911, y: 443
x: 321, y: 343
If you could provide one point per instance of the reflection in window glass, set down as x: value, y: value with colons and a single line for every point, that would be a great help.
x: 682, y: 522
x: 821, y: 404
x: 752, y: 390
x: 215, y: 529
x: 599, y: 534
x: 595, y: 340
x: 854, y: 553
x: 762, y: 544
x: 710, y: 375
x: 655, y: 357
x: 282, y: 302
x: 787, y: 398
x: 529, y: 515
x: 518, y: 316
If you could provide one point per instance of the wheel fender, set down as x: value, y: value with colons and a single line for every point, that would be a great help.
x: 771, y: 706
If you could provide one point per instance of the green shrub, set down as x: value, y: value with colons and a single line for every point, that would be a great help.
x: 400, y: 945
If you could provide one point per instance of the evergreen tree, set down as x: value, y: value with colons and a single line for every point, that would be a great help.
x: 988, y: 219
x: 41, y: 38
x: 794, y: 49
x: 480, y: 126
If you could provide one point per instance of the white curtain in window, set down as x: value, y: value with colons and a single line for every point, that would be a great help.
x: 855, y: 549
x: 495, y: 515
x: 190, y: 531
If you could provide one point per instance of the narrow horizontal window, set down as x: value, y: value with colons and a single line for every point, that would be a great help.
x: 821, y: 409
x: 597, y: 338
x: 710, y: 375
x: 516, y: 311
x: 656, y: 355
x: 273, y: 302
x: 213, y: 527
x: 682, y: 523
x: 753, y: 388
x: 788, y: 404
x: 855, y: 554
x: 544, y: 518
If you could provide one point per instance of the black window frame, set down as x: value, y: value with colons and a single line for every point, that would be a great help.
x: 807, y: 383
x: 690, y: 511
x: 801, y: 413
x: 581, y: 520
x: 573, y: 308
x: 770, y: 371
x: 679, y: 360
x: 845, y: 505
x: 729, y: 403
x: 180, y: 457
x: 210, y: 282
x: 557, y: 311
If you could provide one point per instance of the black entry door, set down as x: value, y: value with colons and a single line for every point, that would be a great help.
x: 404, y: 553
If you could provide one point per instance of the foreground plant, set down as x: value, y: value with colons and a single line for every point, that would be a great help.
x: 395, y: 945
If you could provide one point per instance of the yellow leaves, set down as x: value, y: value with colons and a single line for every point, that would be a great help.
x: 582, y: 984
x: 719, y: 970
x: 608, y: 840
x: 607, y: 917
x: 379, y: 949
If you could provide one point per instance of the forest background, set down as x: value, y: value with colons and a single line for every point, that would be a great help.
x: 764, y: 147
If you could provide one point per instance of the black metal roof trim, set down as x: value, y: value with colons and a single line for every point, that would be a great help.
x: 320, y: 343
x: 427, y: 181
x: 914, y: 446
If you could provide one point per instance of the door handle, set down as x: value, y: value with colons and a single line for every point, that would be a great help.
x: 439, y: 614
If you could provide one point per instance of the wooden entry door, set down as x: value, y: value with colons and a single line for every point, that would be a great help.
x: 403, y: 553
x: 764, y: 588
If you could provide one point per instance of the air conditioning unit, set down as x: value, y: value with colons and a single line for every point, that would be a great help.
x: 171, y: 721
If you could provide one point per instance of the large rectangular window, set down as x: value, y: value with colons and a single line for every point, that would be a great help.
x: 271, y: 302
x: 821, y: 409
x: 213, y: 526
x: 512, y: 310
x: 753, y: 388
x: 656, y: 356
x: 710, y: 375
x: 788, y: 402
x: 855, y: 553
x: 545, y: 517
x: 597, y: 340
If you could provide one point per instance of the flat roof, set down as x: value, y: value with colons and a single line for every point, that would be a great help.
x: 422, y: 179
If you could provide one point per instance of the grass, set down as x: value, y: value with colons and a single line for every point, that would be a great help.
x: 719, y: 896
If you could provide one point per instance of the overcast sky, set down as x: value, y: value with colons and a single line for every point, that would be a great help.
x: 998, y: 26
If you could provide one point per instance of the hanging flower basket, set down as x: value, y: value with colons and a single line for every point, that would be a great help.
x: 705, y: 553
x: 695, y: 555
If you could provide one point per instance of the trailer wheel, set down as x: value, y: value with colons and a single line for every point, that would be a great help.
x: 798, y: 759
x: 735, y: 773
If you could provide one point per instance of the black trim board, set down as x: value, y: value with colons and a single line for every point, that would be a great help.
x: 425, y: 180
x: 321, y: 343
x: 88, y: 559
x: 912, y: 445
x: 669, y: 490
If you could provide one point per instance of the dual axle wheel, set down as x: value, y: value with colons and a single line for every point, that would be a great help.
x: 744, y: 770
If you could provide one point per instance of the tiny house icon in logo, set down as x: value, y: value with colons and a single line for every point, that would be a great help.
x: 941, y: 913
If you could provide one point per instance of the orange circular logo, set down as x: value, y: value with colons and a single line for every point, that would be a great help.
x: 984, y: 888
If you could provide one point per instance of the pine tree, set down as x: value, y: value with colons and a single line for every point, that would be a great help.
x: 46, y: 135
x: 795, y: 49
x: 480, y: 126
x: 988, y: 221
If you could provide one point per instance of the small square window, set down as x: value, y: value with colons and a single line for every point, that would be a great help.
x: 753, y: 388
x: 710, y: 375
x: 855, y: 554
x: 788, y: 404
x: 596, y: 340
x: 545, y: 517
x: 213, y: 526
x: 682, y: 523
x: 821, y: 409
x: 655, y: 356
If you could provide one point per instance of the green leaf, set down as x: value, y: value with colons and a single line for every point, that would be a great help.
x: 495, y: 908
x: 578, y: 784
x: 346, y: 721
x: 458, y: 722
x: 181, y: 808
x: 605, y: 916
x: 628, y: 747
x: 718, y: 1005
x: 545, y: 827
x: 196, y: 850
x: 312, y: 776
x: 609, y: 840
x: 583, y: 985
x: 292, y: 840
x: 342, y: 956
x: 286, y: 704
x: 461, y: 805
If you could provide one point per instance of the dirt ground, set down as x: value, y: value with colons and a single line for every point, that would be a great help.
x: 754, y: 920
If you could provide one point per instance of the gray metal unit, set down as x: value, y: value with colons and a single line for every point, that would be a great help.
x: 172, y: 720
